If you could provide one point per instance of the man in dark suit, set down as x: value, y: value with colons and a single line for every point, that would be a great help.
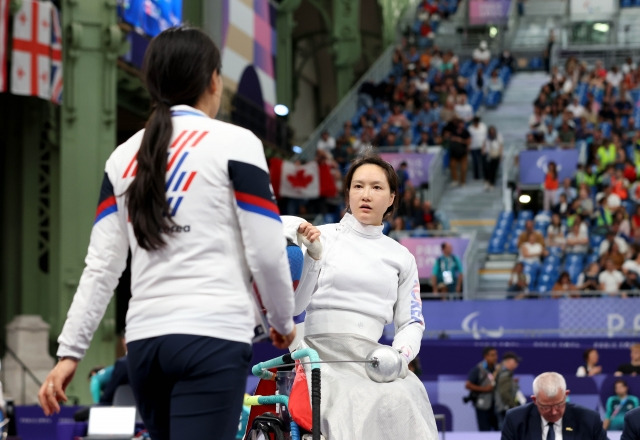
x: 550, y: 417
x: 631, y: 430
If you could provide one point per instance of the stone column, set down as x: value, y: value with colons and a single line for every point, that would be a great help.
x: 28, y: 346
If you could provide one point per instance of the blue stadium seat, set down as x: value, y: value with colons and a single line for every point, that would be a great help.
x: 606, y: 128
x: 493, y: 99
x: 591, y: 258
x: 595, y: 240
x: 574, y: 259
x: 635, y: 95
x: 525, y: 214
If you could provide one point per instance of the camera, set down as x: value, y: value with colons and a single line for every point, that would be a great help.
x: 471, y: 397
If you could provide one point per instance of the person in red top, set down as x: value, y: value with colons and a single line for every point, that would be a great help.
x: 551, y: 185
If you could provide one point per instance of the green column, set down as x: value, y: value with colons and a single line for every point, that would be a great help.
x: 392, y: 12
x: 88, y: 135
x: 284, y: 61
x: 346, y: 42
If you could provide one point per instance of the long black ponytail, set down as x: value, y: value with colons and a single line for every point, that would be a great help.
x: 178, y: 67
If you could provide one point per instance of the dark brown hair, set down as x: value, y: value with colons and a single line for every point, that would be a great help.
x: 392, y: 178
x: 178, y: 66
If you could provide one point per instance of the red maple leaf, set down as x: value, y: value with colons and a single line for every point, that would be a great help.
x: 300, y: 179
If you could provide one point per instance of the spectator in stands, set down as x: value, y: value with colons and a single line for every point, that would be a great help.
x: 463, y: 109
x: 632, y: 265
x: 495, y: 82
x: 551, y: 411
x: 610, y: 278
x: 506, y: 59
x: 563, y: 286
x: 482, y: 54
x: 398, y: 118
x: 633, y: 367
x: 605, y: 154
x: 577, y: 238
x: 528, y: 230
x: 563, y: 207
x: 404, y: 181
x: 613, y: 254
x: 566, y: 136
x: 619, y: 405
x: 371, y: 115
x: 614, y: 77
x: 568, y: 189
x: 576, y: 109
x: 481, y: 385
x: 590, y: 366
x: 586, y: 203
x: 459, y: 139
x: 551, y: 186
x: 426, y: 217
x: 492, y: 151
x: 530, y: 251
x: 588, y: 280
x: 631, y: 284
x: 477, y: 81
x: 613, y: 237
x: 507, y: 390
x: 326, y: 142
x: 478, y: 131
x: 519, y: 280
x: 550, y: 134
x: 446, y: 277
x: 556, y: 232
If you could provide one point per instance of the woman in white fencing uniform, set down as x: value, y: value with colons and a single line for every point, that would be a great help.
x: 359, y: 282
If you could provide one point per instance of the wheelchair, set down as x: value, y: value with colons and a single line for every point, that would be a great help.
x: 268, y: 371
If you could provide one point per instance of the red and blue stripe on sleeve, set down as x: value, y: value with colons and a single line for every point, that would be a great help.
x: 252, y: 190
x: 107, y: 204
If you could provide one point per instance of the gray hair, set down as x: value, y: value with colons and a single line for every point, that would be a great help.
x: 550, y: 383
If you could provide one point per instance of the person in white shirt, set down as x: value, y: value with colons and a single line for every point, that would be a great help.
x: 463, y: 109
x: 577, y: 241
x: 610, y: 278
x: 576, y: 108
x: 190, y: 197
x: 478, y: 131
x: 482, y: 54
x: 360, y: 281
x: 614, y: 77
x: 551, y: 411
x: 326, y: 143
x: 530, y: 251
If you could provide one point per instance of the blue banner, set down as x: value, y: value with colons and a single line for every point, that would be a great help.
x: 533, y: 164
x: 544, y: 318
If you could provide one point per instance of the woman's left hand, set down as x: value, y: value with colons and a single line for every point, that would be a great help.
x: 52, y: 389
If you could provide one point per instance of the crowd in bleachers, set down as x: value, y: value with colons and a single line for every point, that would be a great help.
x: 419, y: 104
x: 586, y: 240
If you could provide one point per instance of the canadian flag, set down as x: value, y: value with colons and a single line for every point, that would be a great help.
x: 301, y: 181
x: 4, y: 26
x: 31, y: 58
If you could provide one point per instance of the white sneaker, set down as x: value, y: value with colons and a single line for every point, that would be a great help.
x: 454, y: 183
x: 486, y: 186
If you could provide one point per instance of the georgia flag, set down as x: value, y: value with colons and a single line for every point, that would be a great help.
x: 31, y: 57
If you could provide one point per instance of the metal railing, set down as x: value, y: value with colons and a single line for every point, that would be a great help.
x: 470, y: 267
x: 26, y: 371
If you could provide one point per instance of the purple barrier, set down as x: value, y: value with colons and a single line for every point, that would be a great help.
x: 533, y: 164
x: 32, y: 424
x: 417, y: 163
x: 427, y: 249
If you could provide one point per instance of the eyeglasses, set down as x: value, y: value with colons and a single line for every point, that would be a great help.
x: 549, y: 408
